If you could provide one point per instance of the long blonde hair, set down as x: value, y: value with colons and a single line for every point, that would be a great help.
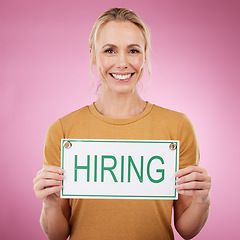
x: 119, y: 14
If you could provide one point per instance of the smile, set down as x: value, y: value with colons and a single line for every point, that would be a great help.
x: 121, y: 76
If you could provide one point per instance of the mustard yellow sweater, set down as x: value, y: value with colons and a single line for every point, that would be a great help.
x: 108, y: 219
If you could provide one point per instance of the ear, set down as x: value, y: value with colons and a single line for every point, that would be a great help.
x: 93, y: 56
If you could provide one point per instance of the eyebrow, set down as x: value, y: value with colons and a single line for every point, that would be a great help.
x: 129, y: 46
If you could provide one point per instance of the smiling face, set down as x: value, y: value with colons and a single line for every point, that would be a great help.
x: 120, y: 56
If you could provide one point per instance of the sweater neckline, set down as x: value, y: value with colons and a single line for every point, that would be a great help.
x: 116, y: 121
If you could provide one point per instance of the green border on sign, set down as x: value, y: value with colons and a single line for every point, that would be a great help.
x: 120, y: 141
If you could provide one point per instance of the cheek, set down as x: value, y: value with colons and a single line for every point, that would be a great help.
x: 138, y: 63
x: 104, y: 63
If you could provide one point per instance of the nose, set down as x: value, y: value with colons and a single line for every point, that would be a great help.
x: 122, y: 61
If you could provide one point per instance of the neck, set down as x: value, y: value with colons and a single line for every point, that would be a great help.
x: 120, y: 106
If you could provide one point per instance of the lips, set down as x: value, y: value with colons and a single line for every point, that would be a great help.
x: 122, y: 76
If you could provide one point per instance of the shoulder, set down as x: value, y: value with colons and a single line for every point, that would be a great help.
x: 167, y: 117
x: 177, y: 123
x: 82, y: 112
x: 69, y: 120
x: 180, y: 128
x: 167, y: 113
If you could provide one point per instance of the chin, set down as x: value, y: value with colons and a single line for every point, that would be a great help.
x: 124, y: 89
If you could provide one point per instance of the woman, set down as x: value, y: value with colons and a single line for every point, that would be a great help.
x: 119, y: 47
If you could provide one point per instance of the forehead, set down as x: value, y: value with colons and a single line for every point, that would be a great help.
x: 119, y: 33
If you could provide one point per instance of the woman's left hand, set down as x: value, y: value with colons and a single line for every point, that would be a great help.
x: 194, y: 181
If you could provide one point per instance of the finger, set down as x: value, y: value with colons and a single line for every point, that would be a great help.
x: 49, y: 168
x: 189, y: 170
x: 54, y: 169
x: 48, y: 175
x: 45, y: 183
x: 195, y: 193
x: 46, y: 169
x: 194, y: 176
x: 193, y: 186
x: 48, y: 191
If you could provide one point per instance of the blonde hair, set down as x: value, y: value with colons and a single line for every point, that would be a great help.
x: 119, y: 14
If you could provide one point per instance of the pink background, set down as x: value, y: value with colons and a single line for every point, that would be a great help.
x: 44, y: 75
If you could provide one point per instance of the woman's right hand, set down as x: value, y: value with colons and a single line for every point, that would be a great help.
x: 47, y: 185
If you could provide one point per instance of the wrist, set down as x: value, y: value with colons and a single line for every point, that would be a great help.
x: 203, y: 203
x: 51, y: 208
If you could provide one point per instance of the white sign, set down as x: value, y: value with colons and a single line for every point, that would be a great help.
x: 131, y: 169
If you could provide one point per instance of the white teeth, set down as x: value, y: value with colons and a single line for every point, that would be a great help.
x: 121, y: 77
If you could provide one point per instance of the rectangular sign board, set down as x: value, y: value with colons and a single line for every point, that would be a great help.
x: 119, y: 169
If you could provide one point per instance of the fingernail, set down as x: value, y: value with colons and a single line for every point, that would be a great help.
x: 176, y: 174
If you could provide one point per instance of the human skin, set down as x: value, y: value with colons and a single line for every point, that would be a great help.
x: 120, y: 61
x: 115, y: 55
x: 55, y: 211
x: 194, y: 183
x: 191, y: 210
